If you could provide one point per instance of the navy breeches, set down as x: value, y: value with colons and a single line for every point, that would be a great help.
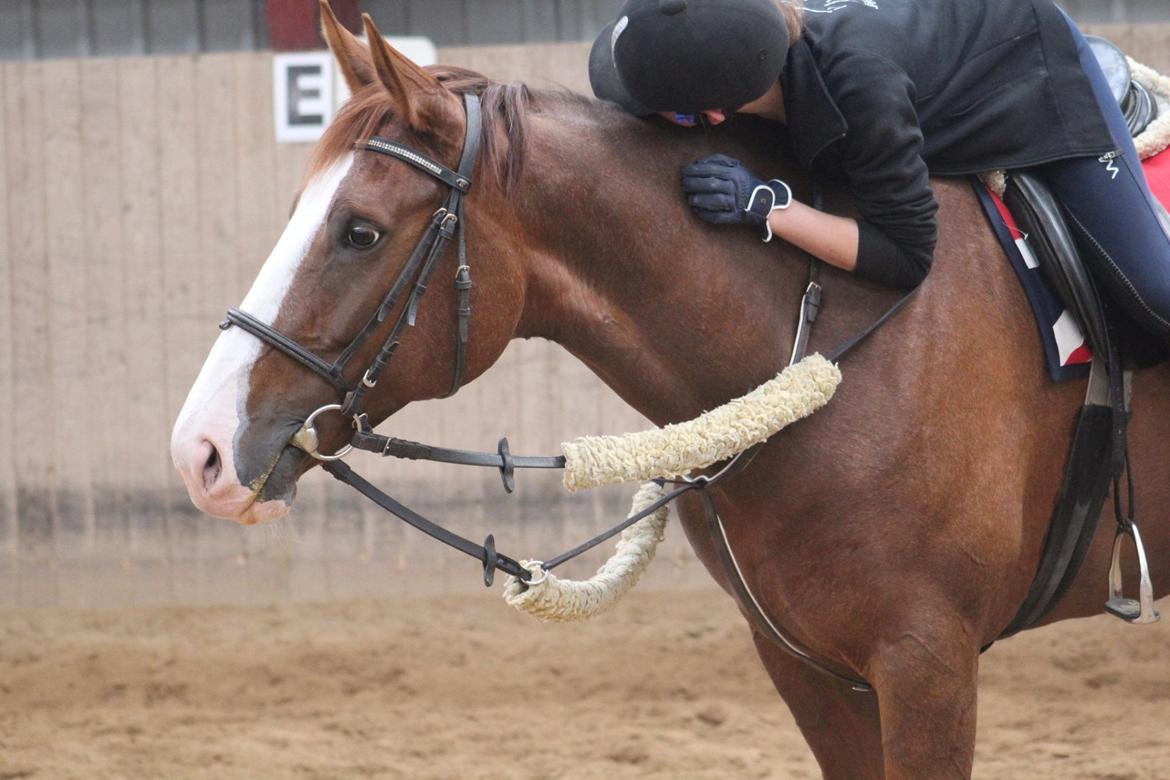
x: 1109, y: 205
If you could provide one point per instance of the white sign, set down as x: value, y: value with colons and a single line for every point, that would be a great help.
x: 304, y: 95
x: 308, y: 88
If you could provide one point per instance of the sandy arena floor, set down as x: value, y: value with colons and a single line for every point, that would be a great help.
x: 666, y: 687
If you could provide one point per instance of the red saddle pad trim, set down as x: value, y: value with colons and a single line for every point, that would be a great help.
x: 1158, y: 174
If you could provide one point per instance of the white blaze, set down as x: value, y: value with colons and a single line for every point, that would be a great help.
x: 213, y: 408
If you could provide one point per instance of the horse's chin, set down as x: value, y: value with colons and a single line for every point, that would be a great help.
x: 273, y: 496
x: 263, y: 512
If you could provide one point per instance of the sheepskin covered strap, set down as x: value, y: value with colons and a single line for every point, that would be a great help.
x: 671, y: 451
x: 554, y: 600
x: 1156, y: 138
x: 722, y: 433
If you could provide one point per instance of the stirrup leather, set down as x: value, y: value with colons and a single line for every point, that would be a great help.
x: 1138, y: 611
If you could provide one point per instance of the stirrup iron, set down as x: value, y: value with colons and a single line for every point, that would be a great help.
x: 1138, y: 611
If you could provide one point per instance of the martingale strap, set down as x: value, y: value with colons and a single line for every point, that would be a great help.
x: 364, y: 438
x: 491, y: 560
x: 810, y: 306
x: 749, y: 603
x: 486, y: 553
x: 447, y: 225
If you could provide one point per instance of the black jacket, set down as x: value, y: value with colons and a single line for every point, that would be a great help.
x: 883, y: 93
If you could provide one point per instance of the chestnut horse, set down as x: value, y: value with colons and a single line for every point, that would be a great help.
x: 892, y: 535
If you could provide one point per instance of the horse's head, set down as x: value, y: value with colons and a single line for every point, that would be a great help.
x: 352, y: 234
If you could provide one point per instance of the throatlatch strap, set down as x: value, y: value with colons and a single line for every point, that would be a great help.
x: 463, y: 272
x: 463, y: 326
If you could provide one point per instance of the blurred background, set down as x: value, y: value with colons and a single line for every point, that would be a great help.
x: 32, y: 29
x: 143, y: 186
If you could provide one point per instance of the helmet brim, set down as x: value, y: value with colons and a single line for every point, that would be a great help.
x: 604, y: 78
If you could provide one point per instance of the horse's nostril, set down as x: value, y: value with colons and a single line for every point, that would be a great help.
x: 211, y: 467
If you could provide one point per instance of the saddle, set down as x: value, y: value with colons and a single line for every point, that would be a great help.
x: 1137, y: 104
x: 1098, y: 455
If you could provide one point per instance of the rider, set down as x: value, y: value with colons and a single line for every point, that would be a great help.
x: 881, y: 94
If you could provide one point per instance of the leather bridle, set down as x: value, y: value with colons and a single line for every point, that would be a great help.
x: 446, y: 225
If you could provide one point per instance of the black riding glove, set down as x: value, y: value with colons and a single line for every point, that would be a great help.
x: 722, y: 191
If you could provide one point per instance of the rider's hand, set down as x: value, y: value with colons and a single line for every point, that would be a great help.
x: 722, y: 191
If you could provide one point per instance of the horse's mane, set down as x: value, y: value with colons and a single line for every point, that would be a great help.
x: 505, y: 107
x: 507, y: 110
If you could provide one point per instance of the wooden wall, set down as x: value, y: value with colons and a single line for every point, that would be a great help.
x: 140, y: 197
x: 33, y: 29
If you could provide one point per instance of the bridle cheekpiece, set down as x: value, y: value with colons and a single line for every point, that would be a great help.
x: 446, y: 225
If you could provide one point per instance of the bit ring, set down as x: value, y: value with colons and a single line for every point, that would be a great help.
x: 306, y: 437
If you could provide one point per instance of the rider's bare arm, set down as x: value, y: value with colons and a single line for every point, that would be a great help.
x: 831, y: 238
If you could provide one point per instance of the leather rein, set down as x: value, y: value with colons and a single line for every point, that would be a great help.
x: 447, y: 225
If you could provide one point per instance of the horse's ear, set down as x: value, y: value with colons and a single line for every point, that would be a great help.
x: 351, y: 54
x: 413, y: 89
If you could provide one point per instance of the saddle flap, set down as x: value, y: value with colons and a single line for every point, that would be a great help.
x: 1040, y: 216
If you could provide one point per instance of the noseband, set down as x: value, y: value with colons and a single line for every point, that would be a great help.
x: 446, y: 225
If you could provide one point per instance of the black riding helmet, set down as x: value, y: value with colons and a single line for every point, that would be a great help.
x: 689, y: 55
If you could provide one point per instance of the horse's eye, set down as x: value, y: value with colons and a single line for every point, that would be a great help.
x: 362, y: 236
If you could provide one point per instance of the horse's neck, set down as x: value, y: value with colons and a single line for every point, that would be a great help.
x: 675, y: 317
